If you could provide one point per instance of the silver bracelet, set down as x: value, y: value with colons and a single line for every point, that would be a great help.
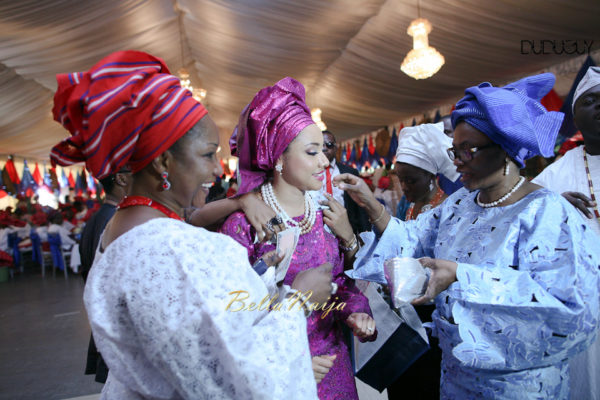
x: 304, y: 303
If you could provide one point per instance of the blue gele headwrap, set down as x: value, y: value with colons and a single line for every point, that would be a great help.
x: 512, y: 116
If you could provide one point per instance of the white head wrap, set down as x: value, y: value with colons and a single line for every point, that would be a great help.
x: 425, y: 146
x: 589, y: 80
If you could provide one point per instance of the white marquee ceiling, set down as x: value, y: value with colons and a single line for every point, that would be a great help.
x: 346, y: 52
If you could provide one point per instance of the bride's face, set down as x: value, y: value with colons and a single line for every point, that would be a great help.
x: 304, y: 160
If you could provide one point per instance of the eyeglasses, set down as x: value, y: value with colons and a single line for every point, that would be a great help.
x: 466, y: 155
x: 329, y: 145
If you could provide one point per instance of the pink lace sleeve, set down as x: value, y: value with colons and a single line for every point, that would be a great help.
x: 237, y: 227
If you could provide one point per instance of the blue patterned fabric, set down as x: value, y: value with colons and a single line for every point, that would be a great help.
x: 512, y: 116
x: 526, y: 297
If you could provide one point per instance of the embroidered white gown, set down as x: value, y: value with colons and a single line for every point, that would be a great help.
x: 156, y: 300
x: 526, y: 299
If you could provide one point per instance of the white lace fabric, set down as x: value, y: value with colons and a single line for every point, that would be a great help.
x: 156, y: 300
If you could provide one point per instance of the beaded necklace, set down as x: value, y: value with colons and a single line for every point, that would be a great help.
x: 130, y: 201
x: 589, y: 177
x: 310, y: 213
x: 435, y: 201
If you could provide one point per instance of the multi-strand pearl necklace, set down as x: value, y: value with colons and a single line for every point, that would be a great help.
x: 310, y: 212
x: 501, y: 199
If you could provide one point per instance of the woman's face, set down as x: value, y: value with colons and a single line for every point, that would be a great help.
x: 196, y: 164
x: 414, y: 181
x: 304, y: 161
x: 486, y: 167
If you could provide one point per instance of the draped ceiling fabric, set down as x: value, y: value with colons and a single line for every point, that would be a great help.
x: 347, y: 53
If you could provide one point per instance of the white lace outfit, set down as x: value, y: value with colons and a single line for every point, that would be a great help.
x: 156, y: 299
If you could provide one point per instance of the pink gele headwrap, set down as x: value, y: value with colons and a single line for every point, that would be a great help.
x: 275, y: 116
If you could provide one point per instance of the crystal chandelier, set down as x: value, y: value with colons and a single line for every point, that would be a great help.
x: 316, y: 116
x: 422, y: 61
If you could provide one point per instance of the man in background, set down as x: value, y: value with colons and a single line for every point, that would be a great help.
x: 448, y: 130
x: 576, y: 176
x: 357, y: 216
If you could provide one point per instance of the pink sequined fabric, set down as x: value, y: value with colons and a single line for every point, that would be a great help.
x: 324, y: 334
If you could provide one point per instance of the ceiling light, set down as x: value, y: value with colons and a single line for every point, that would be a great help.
x: 316, y: 116
x: 423, y: 61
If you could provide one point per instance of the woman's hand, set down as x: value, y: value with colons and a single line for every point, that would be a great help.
x: 336, y: 219
x: 272, y: 258
x: 356, y: 188
x: 260, y: 216
x: 362, y: 325
x: 321, y: 366
x: 267, y: 260
x: 395, y: 185
x: 317, y: 280
x: 581, y: 202
x: 443, y: 273
x: 362, y: 195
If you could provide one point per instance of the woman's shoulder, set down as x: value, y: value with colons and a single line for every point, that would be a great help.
x: 165, y: 250
x: 543, y: 207
x: 454, y: 200
x: 537, y: 198
x: 169, y: 235
x: 543, y: 197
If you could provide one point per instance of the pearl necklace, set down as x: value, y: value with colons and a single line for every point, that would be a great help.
x: 310, y: 213
x: 501, y: 199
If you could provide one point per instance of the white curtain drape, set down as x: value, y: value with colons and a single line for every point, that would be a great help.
x: 347, y: 53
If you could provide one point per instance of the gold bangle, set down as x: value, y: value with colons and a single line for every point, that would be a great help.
x: 380, y: 215
x: 349, y: 246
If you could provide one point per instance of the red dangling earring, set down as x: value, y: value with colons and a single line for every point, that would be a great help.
x: 166, y: 185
